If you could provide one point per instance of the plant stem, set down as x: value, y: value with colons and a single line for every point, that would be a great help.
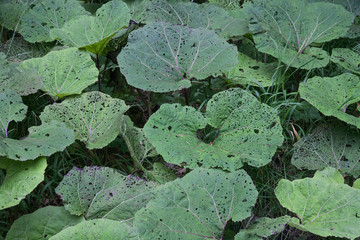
x: 97, y: 62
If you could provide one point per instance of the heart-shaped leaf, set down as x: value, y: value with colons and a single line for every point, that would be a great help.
x: 287, y: 32
x: 198, y: 206
x: 333, y: 95
x: 95, y: 117
x: 94, y: 32
x: 348, y: 59
x: 42, y: 224
x: 65, y: 72
x: 100, y: 192
x: 163, y: 57
x: 21, y: 179
x: 46, y: 15
x: 331, y: 144
x: 245, y: 131
x: 323, y: 205
x: 98, y: 229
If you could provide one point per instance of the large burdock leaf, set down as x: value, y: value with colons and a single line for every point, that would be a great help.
x: 42, y: 224
x: 245, y: 131
x: 101, y: 192
x: 11, y: 12
x: 230, y: 4
x: 163, y: 57
x: 21, y: 178
x: 347, y: 58
x: 98, y: 229
x: 323, y: 205
x: 250, y: 71
x: 46, y: 15
x: 43, y: 140
x: 331, y: 144
x: 94, y: 32
x: 194, y: 15
x: 332, y: 95
x: 263, y: 228
x: 286, y: 29
x: 65, y: 72
x: 198, y: 206
x: 11, y: 109
x: 95, y: 117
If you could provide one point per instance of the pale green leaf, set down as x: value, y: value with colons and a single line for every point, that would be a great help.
x: 250, y: 71
x: 357, y: 184
x: 245, y: 131
x: 47, y: 15
x: 333, y: 95
x: 12, y: 11
x: 286, y: 29
x: 21, y: 179
x: 42, y: 224
x: 98, y: 229
x: 95, y: 117
x: 262, y: 228
x: 163, y: 57
x: 322, y: 206
x: 101, y: 192
x: 94, y: 32
x: 347, y: 58
x: 11, y: 109
x: 43, y: 140
x: 330, y: 144
x: 195, y: 15
x: 64, y: 72
x: 197, y: 206
x: 161, y: 173
x: 229, y: 4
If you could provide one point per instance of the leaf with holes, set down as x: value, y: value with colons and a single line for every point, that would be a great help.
x: 94, y: 32
x: 161, y: 173
x: 250, y: 71
x: 263, y: 228
x: 42, y: 224
x: 101, y: 192
x: 323, y: 205
x: 163, y: 57
x: 286, y: 29
x: 43, y: 140
x: 65, y: 72
x: 330, y: 144
x: 348, y: 59
x: 11, y: 12
x: 240, y: 129
x: 195, y: 15
x: 229, y: 4
x: 197, y: 206
x: 98, y: 229
x: 332, y: 96
x: 21, y: 179
x: 46, y: 15
x: 95, y: 117
x: 11, y: 109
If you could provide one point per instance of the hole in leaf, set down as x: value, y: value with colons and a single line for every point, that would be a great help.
x: 207, y: 134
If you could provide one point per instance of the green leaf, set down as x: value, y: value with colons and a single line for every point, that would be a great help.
x: 98, y: 229
x: 357, y: 184
x: 330, y: 144
x: 47, y: 15
x: 250, y: 71
x: 42, y: 224
x: 95, y: 117
x: 348, y: 59
x: 11, y: 12
x: 65, y: 72
x: 263, y: 228
x: 332, y: 95
x: 43, y: 140
x: 21, y: 178
x: 197, y: 206
x: 94, y: 32
x: 245, y: 131
x: 163, y: 57
x: 194, y: 15
x: 101, y: 192
x: 161, y: 173
x: 229, y: 4
x: 323, y: 206
x: 11, y: 109
x: 286, y: 29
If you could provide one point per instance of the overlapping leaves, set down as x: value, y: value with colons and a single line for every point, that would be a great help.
x: 347, y: 58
